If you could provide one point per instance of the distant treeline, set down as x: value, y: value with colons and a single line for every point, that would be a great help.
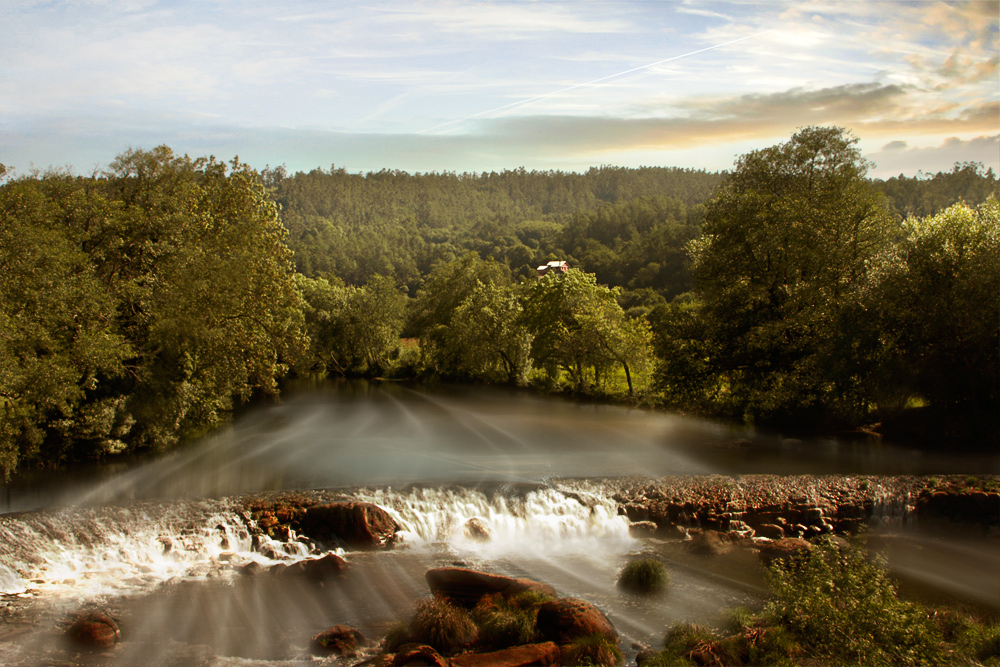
x: 139, y: 305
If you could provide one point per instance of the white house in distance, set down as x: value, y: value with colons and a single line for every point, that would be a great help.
x: 555, y: 265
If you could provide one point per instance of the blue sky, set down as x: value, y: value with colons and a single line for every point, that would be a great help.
x: 481, y: 86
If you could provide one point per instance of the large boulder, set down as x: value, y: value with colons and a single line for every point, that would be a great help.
x: 95, y: 629
x: 467, y: 587
x: 357, y: 524
x: 518, y: 656
x: 567, y: 619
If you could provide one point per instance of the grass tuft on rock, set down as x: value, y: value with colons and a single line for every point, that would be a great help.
x: 644, y: 576
x: 442, y: 625
x: 597, y: 650
x: 506, y: 621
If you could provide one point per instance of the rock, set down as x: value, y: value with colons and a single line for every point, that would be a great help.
x: 477, y: 530
x: 567, y: 619
x: 252, y: 568
x: 95, y: 629
x: 519, y: 656
x: 642, y: 529
x: 710, y: 543
x: 418, y: 654
x: 771, y: 531
x: 784, y: 549
x: 646, y: 655
x: 358, y: 525
x: 466, y: 587
x: 329, y: 565
x: 340, y: 639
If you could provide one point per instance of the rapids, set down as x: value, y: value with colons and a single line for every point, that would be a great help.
x: 162, y: 544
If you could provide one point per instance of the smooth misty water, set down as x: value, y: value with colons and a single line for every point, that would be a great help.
x: 158, y: 542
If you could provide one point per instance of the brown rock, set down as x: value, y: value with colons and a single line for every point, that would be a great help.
x: 466, y: 587
x: 95, y: 629
x: 784, y: 549
x: 359, y: 525
x: 710, y: 543
x: 567, y: 619
x: 340, y: 639
x: 646, y: 655
x: 771, y: 531
x: 477, y: 530
x: 329, y: 565
x: 642, y: 529
x: 519, y: 656
x: 418, y: 654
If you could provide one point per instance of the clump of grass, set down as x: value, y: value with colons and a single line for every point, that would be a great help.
x: 442, y: 625
x: 645, y: 576
x: 596, y: 650
x: 505, y: 621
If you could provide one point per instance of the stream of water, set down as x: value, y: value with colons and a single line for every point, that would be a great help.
x: 162, y: 544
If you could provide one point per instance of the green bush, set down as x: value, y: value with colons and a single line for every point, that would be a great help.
x: 841, y: 605
x: 645, y: 576
x: 442, y: 625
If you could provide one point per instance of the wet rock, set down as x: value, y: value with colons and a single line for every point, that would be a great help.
x: 251, y: 569
x: 418, y: 654
x: 784, y: 549
x: 642, y: 529
x: 771, y: 531
x: 95, y: 629
x: 357, y: 524
x: 466, y: 587
x: 567, y: 619
x: 340, y: 639
x: 477, y: 530
x: 710, y: 543
x: 330, y: 565
x: 519, y: 656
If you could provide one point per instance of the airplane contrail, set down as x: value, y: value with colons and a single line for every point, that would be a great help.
x: 521, y: 103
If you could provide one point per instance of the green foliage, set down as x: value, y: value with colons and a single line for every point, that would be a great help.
x: 645, y: 576
x: 579, y: 328
x: 787, y: 243
x: 597, y: 650
x: 137, y: 306
x: 841, y: 605
x: 937, y: 298
x: 442, y: 625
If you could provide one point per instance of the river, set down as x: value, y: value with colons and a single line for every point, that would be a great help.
x: 156, y: 541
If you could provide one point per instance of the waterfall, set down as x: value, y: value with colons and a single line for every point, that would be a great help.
x: 892, y: 509
x: 544, y: 521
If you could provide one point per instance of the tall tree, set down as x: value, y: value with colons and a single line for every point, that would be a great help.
x: 788, y: 240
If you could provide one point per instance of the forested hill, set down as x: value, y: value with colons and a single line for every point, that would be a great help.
x: 612, y: 220
x: 627, y: 226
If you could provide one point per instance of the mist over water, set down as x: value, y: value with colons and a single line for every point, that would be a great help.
x: 162, y: 542
x: 334, y: 435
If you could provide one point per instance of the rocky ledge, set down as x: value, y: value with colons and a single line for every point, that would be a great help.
x: 805, y: 505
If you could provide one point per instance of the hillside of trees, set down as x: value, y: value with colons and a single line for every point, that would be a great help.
x: 138, y: 306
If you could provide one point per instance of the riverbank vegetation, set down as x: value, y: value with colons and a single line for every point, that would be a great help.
x: 140, y: 304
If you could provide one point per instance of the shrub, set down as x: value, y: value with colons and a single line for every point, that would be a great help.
x: 597, y: 650
x: 841, y: 605
x: 442, y: 625
x: 645, y: 576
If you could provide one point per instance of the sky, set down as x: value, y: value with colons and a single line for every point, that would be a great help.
x: 454, y: 85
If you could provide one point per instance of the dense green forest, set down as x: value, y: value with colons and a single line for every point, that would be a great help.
x: 138, y: 306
